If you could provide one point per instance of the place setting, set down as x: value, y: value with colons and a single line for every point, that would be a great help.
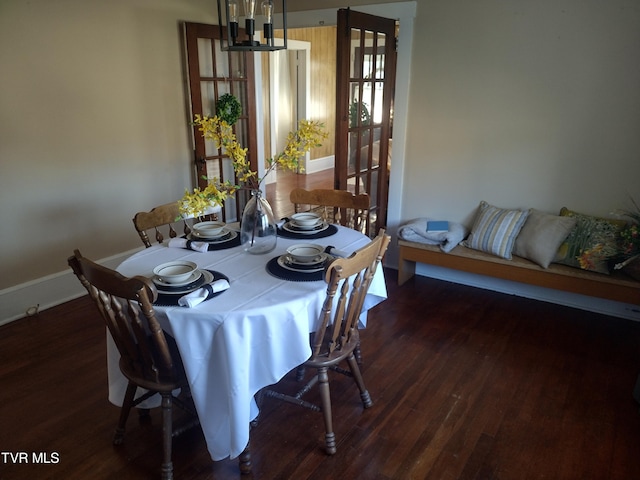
x: 207, y: 236
x: 307, y: 225
x: 303, y: 262
x: 182, y: 283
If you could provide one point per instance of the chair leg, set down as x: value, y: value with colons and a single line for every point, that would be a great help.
x: 245, y: 461
x: 329, y: 436
x: 167, y: 465
x: 259, y: 398
x: 300, y: 371
x: 357, y: 377
x: 144, y: 412
x: 127, y: 402
x: 358, y: 354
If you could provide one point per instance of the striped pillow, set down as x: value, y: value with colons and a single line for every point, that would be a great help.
x: 495, y: 230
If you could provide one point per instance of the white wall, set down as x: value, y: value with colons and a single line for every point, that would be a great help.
x: 523, y: 104
x: 92, y: 125
x: 93, y: 128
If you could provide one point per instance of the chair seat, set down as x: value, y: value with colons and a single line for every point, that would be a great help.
x: 338, y: 355
x: 167, y: 383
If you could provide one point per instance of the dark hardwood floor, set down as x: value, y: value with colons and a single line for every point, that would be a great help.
x: 466, y: 384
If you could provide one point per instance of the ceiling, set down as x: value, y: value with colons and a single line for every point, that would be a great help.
x: 301, y: 5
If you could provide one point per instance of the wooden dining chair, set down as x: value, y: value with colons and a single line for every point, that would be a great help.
x: 337, y: 335
x: 167, y: 215
x: 148, y: 357
x: 335, y: 206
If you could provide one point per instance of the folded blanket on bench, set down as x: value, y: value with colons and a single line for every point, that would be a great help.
x: 416, y: 231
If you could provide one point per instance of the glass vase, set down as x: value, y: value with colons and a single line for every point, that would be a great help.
x: 258, y: 230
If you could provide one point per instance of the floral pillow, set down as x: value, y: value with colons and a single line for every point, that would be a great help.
x: 591, y: 243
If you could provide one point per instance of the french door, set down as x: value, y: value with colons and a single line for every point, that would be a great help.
x: 212, y: 73
x: 366, y: 66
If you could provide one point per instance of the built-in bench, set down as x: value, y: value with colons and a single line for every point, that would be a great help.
x: 617, y: 286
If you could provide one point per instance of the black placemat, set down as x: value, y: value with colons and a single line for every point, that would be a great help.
x: 330, y: 230
x: 278, y: 271
x: 234, y: 242
x: 171, y: 299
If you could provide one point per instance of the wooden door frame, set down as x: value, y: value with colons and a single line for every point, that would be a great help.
x: 406, y: 13
x: 193, y: 31
x: 367, y: 22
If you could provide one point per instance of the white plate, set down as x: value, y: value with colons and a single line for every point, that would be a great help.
x: 205, y: 236
x: 175, y: 272
x: 306, y: 253
x: 194, y: 276
x: 308, y: 219
x: 283, y: 261
x: 227, y: 237
x: 306, y: 227
x: 207, y: 277
x: 289, y: 227
x: 208, y: 229
x: 318, y: 259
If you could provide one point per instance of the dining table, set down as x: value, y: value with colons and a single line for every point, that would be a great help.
x: 246, y: 337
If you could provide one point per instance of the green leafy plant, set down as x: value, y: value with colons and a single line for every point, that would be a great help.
x: 365, y: 116
x: 228, y: 108
x: 630, y: 237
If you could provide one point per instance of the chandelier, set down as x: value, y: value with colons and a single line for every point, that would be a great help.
x: 230, y: 13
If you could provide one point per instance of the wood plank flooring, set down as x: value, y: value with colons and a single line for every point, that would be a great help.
x: 466, y: 383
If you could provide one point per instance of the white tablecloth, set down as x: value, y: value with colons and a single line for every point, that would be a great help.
x: 246, y: 338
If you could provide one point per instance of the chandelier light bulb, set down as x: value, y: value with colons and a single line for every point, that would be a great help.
x: 238, y: 30
x: 233, y: 11
x: 250, y: 9
x: 267, y: 10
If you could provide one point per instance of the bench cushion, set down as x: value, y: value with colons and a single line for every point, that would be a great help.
x: 617, y: 287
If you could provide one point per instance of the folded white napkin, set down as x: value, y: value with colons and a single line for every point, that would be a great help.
x: 335, y: 252
x: 282, y: 221
x: 184, y: 243
x: 204, y: 293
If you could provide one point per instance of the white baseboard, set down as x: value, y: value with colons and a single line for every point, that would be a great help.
x: 574, y: 300
x: 319, y: 164
x: 27, y: 299
x: 313, y: 166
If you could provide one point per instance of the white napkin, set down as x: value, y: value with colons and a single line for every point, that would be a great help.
x: 184, y: 243
x: 335, y: 252
x: 282, y: 221
x: 198, y: 296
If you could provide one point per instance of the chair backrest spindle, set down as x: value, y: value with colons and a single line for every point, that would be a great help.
x: 126, y: 306
x: 167, y: 216
x: 348, y: 281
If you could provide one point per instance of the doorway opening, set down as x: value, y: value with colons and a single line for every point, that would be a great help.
x: 287, y: 95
